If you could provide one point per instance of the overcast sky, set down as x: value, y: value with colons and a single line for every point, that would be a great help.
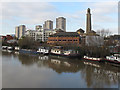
x: 104, y: 14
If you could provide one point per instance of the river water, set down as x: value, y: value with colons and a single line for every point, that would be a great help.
x: 35, y: 71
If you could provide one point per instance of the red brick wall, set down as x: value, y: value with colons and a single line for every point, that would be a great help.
x: 69, y: 40
x: 8, y: 37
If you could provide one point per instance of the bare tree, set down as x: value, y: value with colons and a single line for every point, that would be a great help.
x: 26, y: 42
x: 103, y: 32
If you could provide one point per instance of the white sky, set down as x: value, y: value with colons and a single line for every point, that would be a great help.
x: 104, y: 14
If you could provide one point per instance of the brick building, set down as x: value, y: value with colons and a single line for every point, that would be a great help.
x: 7, y: 37
x: 64, y: 38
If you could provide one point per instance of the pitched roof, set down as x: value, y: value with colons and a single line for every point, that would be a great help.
x: 81, y: 30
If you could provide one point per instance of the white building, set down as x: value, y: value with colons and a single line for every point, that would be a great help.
x: 20, y: 31
x: 31, y: 33
x: 41, y: 35
x: 47, y: 33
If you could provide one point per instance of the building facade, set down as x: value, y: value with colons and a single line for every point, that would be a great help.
x: 61, y: 23
x: 64, y: 38
x: 47, y: 33
x: 38, y: 27
x: 31, y: 33
x: 40, y: 35
x: 20, y: 31
x: 48, y: 24
x: 17, y: 32
x: 7, y: 37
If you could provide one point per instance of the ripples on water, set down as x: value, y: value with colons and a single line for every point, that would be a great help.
x: 35, y: 71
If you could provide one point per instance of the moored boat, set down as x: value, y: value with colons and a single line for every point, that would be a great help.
x: 113, y: 59
x: 57, y: 50
x: 28, y: 51
x: 71, y: 53
x: 10, y: 48
x: 4, y: 47
x: 92, y: 58
x: 44, y: 50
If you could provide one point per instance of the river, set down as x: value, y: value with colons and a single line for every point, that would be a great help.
x: 39, y: 71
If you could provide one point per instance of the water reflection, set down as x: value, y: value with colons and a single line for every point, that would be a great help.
x: 88, y: 74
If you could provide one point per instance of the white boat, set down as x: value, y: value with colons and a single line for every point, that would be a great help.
x: 4, y: 47
x: 17, y: 48
x: 92, y: 58
x: 43, y: 50
x: 10, y: 48
x: 113, y: 58
x: 67, y: 52
x: 71, y: 53
x: 57, y: 50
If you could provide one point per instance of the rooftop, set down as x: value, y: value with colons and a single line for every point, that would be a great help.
x: 80, y: 30
x: 67, y: 34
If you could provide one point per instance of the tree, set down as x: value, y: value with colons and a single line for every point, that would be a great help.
x: 26, y: 43
x: 103, y: 32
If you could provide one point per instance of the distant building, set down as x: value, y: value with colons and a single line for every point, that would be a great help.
x: 38, y: 27
x: 20, y: 31
x: 47, y: 33
x: 48, y: 24
x: 61, y: 23
x: 115, y: 39
x: 64, y: 38
x: 7, y: 37
x: 31, y: 33
x: 17, y: 32
x: 40, y: 35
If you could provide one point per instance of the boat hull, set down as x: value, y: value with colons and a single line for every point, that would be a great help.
x: 10, y: 48
x: 111, y: 61
x: 69, y: 56
x: 44, y: 53
x: 4, y: 47
x: 92, y: 59
x: 28, y: 52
